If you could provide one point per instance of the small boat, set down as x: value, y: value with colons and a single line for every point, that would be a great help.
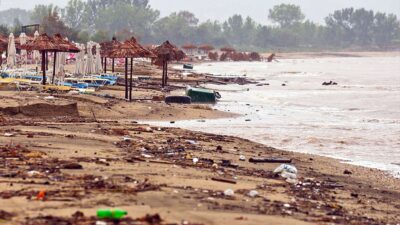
x: 202, y: 95
x: 188, y: 66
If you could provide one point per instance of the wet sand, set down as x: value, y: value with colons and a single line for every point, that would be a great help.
x: 83, y: 163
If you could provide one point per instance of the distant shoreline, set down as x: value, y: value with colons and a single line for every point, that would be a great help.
x: 326, y: 54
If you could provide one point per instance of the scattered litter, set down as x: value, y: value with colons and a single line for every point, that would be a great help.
x: 225, y: 180
x: 229, y: 192
x: 147, y: 155
x: 191, y: 142
x: 195, y: 160
x: 253, y: 193
x: 242, y: 158
x: 115, y: 214
x: 9, y: 134
x: 41, y: 195
x: 127, y: 139
x: 269, y: 160
x: 285, y: 168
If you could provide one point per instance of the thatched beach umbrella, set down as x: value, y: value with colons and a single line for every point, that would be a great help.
x: 3, y: 48
x: 189, y: 48
x: 106, y: 48
x: 228, y: 49
x: 43, y: 44
x: 206, y: 48
x: 130, y: 49
x: 167, y: 52
x: 12, y: 51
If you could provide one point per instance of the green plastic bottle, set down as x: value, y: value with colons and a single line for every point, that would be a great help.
x: 115, y: 214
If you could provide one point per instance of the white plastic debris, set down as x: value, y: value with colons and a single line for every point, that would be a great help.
x: 9, y: 134
x: 33, y: 173
x: 195, y: 160
x: 286, y: 205
x: 253, y: 193
x: 285, y: 168
x: 147, y: 155
x: 242, y: 158
x: 49, y: 97
x: 229, y: 192
x: 287, y: 171
x: 191, y: 142
x: 127, y: 139
x: 101, y: 223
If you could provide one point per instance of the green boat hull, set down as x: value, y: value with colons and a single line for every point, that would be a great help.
x: 201, y: 95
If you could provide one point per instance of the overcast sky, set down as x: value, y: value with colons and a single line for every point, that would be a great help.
x: 315, y: 10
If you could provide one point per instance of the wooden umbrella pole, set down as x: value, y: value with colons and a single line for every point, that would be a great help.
x: 162, y: 77
x: 105, y: 64
x: 131, y: 81
x: 166, y: 72
x: 54, y: 67
x: 126, y: 78
x: 47, y: 60
x: 44, y: 67
x: 112, y: 68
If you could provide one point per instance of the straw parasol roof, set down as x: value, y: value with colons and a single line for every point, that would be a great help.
x: 42, y: 43
x: 64, y: 45
x: 206, y: 47
x: 189, y: 46
x: 228, y: 49
x: 108, y: 46
x: 168, y: 51
x: 131, y: 49
x: 3, y: 43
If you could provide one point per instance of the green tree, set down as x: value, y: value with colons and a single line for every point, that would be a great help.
x: 130, y: 17
x: 83, y: 37
x: 286, y: 14
x: 386, y: 29
x: 210, y: 32
x: 41, y: 11
x: 7, y: 16
x: 101, y: 36
x: 4, y: 30
x: 362, y: 26
x: 340, y: 27
x: 53, y: 24
x: 74, y: 14
x: 177, y: 27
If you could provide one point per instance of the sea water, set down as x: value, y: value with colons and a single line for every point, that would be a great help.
x: 357, y: 121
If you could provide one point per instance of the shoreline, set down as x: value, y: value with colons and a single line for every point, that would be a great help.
x: 335, y: 54
x: 341, y: 160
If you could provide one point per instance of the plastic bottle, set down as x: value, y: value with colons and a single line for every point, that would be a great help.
x: 111, y: 213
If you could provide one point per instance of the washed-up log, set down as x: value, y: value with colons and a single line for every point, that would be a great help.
x: 223, y: 179
x: 269, y: 160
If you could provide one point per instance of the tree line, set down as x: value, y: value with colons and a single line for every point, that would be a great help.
x: 99, y: 20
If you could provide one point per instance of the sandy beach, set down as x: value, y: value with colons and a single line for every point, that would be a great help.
x: 65, y: 156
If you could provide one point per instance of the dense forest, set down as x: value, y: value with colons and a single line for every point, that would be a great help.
x: 288, y: 27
